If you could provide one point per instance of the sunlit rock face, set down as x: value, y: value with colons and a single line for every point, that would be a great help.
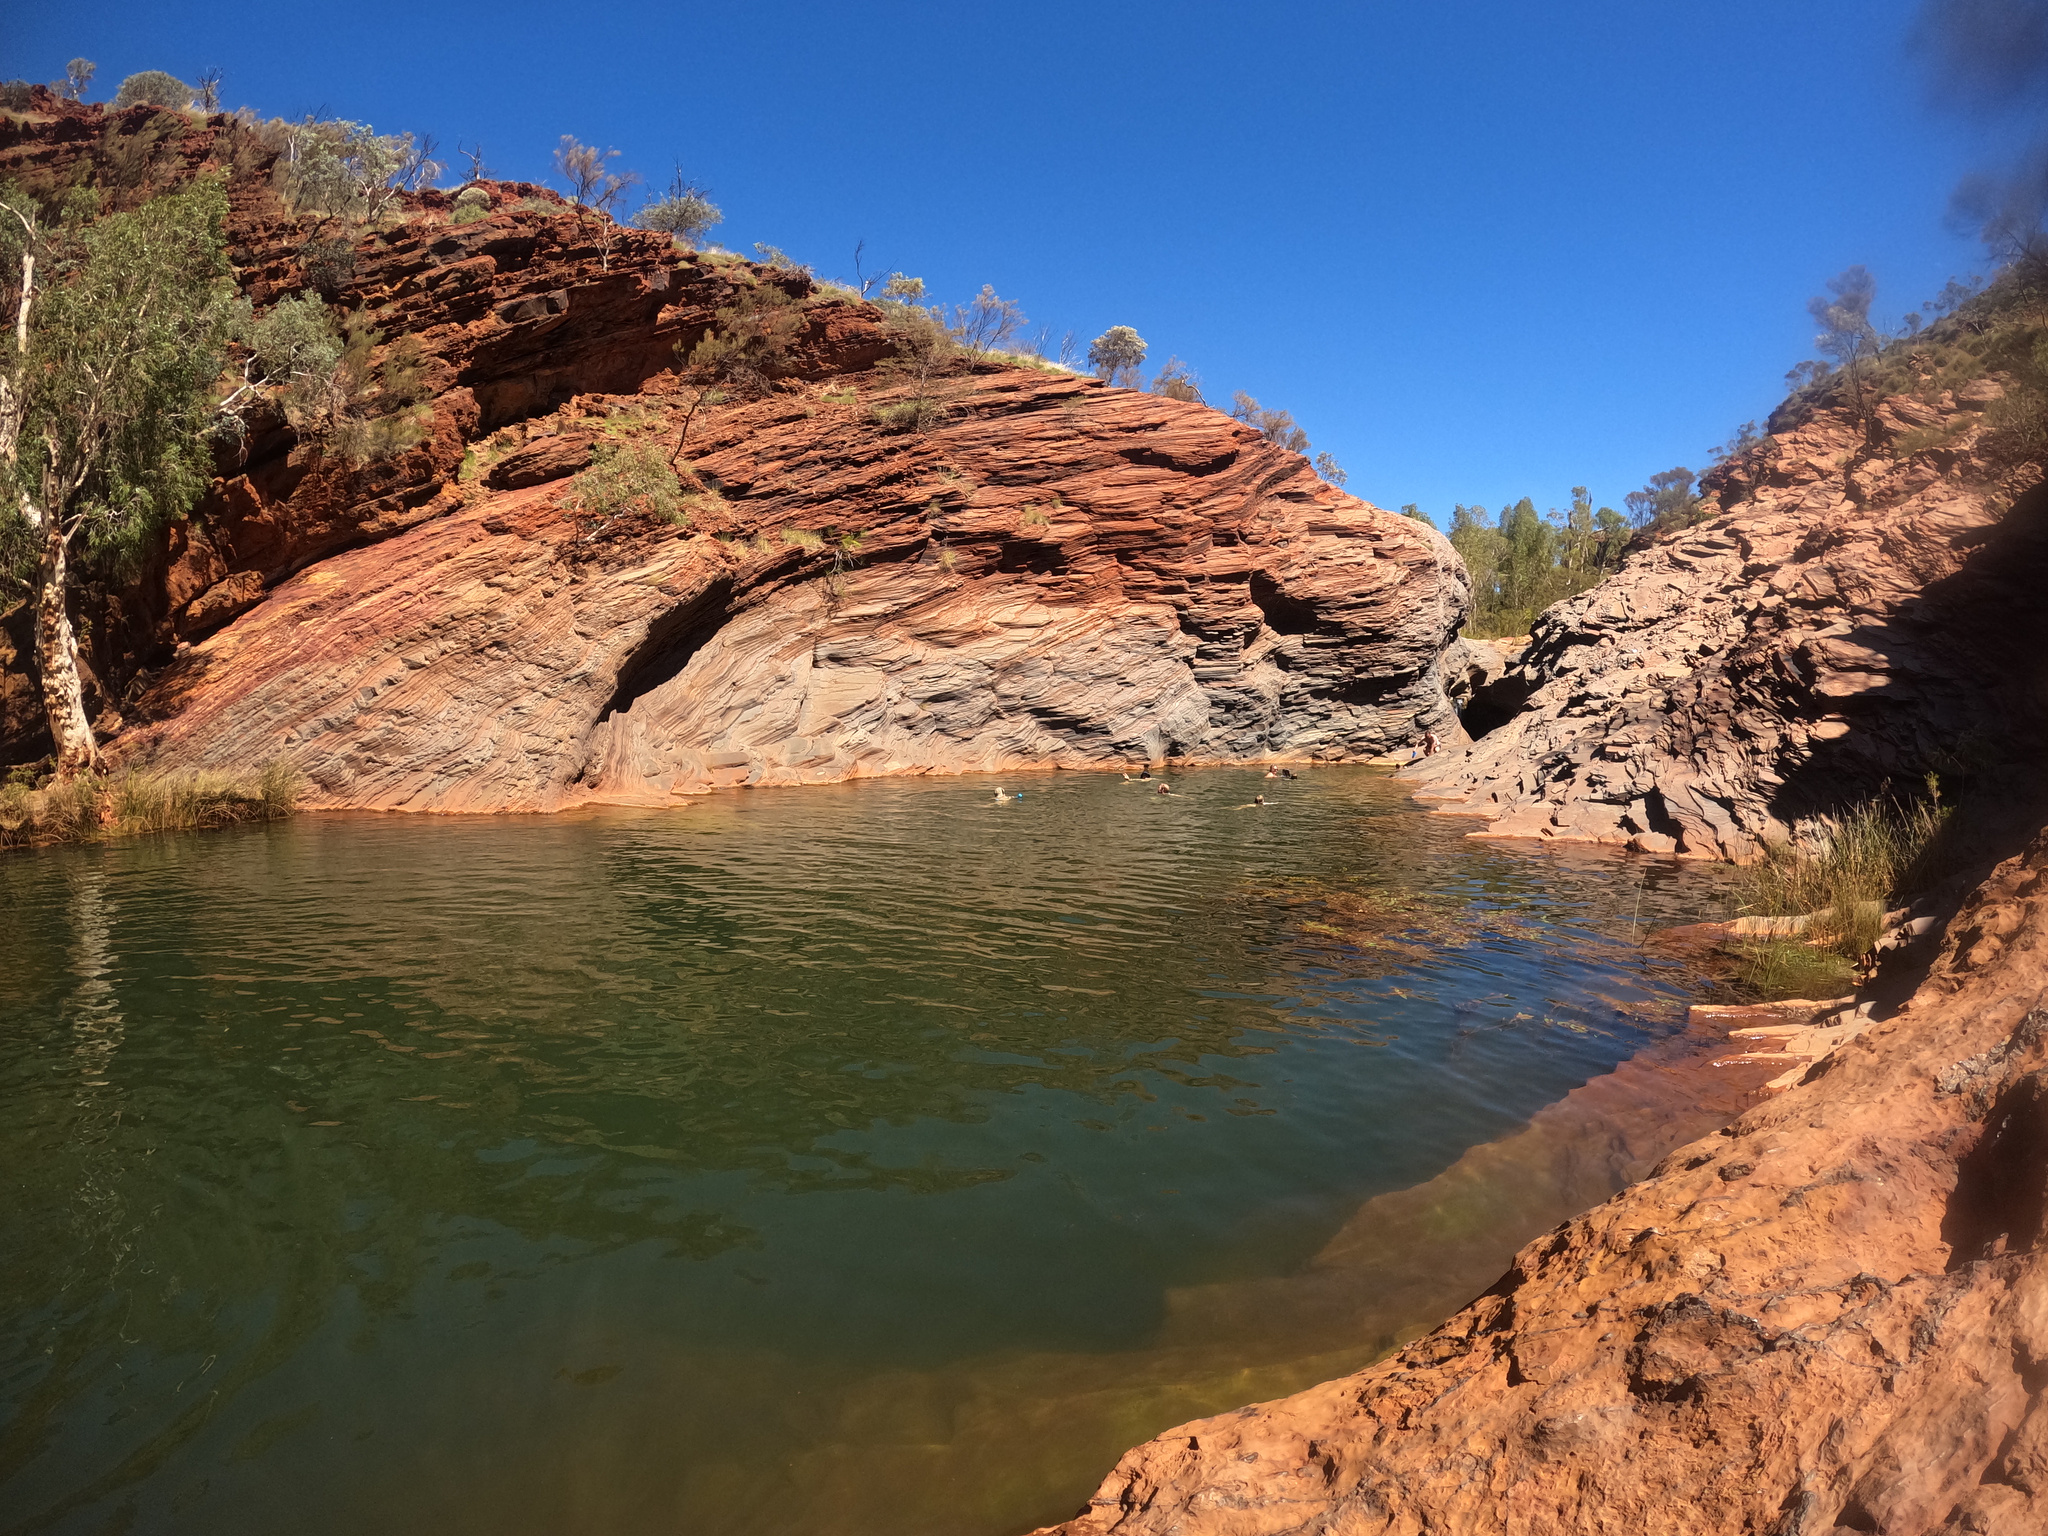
x: 1053, y: 573
x: 1058, y: 574
x: 1846, y: 619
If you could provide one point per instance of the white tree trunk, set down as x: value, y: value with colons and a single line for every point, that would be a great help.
x: 57, y: 659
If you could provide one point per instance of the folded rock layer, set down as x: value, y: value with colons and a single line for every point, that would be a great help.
x: 1058, y: 574
x: 1051, y: 573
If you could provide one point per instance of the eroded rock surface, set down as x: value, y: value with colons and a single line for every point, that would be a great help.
x: 1842, y: 623
x: 1056, y: 574
x: 1830, y: 1317
x: 1060, y: 574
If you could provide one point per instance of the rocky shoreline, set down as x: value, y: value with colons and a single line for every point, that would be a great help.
x: 1831, y: 1315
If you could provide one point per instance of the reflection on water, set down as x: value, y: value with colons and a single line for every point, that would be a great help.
x: 870, y: 1157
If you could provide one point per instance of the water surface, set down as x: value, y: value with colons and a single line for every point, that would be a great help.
x: 820, y: 1160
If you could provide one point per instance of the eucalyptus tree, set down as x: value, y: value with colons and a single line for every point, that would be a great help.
x: 108, y: 374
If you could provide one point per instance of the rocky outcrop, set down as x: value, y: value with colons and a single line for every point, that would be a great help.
x: 1850, y: 615
x: 1831, y: 1316
x: 1056, y: 573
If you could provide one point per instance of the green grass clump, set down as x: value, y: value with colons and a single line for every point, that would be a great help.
x: 88, y: 808
x: 1781, y: 968
x: 912, y: 415
x: 1841, y: 880
x: 1846, y: 877
x: 803, y: 539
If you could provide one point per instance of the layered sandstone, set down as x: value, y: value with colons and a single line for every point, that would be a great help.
x: 1830, y: 1317
x: 1852, y: 614
x: 1055, y: 573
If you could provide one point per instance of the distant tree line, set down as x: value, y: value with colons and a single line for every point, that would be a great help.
x: 1522, y: 561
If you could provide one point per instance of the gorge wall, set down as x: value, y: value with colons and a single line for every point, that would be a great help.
x: 1851, y: 613
x: 1055, y: 573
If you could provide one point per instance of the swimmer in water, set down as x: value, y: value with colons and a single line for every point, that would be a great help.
x: 1272, y: 773
x: 1253, y: 804
x: 1166, y: 789
x: 1001, y: 796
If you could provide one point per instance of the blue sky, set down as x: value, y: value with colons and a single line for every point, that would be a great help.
x: 1480, y: 249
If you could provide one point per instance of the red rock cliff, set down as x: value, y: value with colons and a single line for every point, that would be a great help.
x: 1057, y: 573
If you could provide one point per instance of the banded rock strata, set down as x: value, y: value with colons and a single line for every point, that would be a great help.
x: 1840, y: 624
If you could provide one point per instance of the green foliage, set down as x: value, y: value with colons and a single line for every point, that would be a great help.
x: 924, y: 349
x: 1328, y: 467
x: 15, y: 95
x: 1410, y: 509
x: 1274, y: 426
x: 1785, y: 968
x: 1521, y: 562
x: 1667, y: 502
x: 912, y: 415
x: 328, y: 262
x: 335, y: 381
x: 117, y: 386
x: 87, y: 808
x: 750, y: 341
x: 1846, y: 873
x: 154, y: 88
x: 472, y: 203
x: 684, y: 212
x: 346, y: 170
x: 803, y: 539
x: 2017, y: 425
x: 1177, y: 381
x: 629, y: 478
x: 1117, y: 355
x: 778, y: 260
x: 77, y: 76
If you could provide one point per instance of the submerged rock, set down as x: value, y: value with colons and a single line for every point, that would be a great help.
x: 1830, y: 1316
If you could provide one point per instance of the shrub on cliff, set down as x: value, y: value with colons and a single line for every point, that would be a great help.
x: 684, y: 212
x: 1117, y: 355
x: 987, y: 323
x: 336, y: 382
x: 1177, y: 381
x: 924, y: 349
x: 1274, y: 426
x: 747, y: 348
x: 471, y: 204
x: 153, y: 88
x: 346, y: 170
x: 629, y: 478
